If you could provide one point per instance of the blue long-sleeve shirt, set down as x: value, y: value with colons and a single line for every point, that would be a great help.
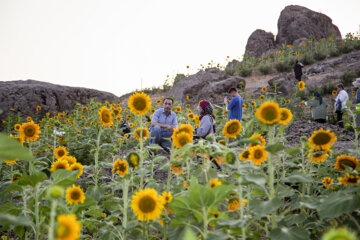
x: 357, y: 100
x: 235, y: 108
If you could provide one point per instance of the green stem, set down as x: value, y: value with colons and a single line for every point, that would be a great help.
x: 125, y: 197
x: 205, y: 222
x: 54, y: 146
x: 52, y: 220
x: 141, y: 155
x: 97, y: 157
x: 169, y: 170
x: 241, y: 200
x: 37, y: 222
x: 271, y: 176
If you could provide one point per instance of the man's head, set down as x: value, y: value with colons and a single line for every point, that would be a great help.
x: 340, y: 87
x: 168, y: 104
x: 233, y: 92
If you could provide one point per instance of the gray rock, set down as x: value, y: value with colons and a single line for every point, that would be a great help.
x: 283, y: 83
x: 24, y: 96
x: 259, y: 42
x: 206, y: 84
x: 296, y: 22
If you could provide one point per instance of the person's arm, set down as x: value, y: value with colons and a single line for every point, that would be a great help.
x: 357, y: 100
x: 155, y: 121
x: 205, y: 125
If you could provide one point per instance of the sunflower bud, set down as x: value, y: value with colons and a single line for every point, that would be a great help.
x: 55, y: 192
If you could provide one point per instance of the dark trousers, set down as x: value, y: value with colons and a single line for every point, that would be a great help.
x: 320, y: 120
x: 339, y: 116
x: 298, y: 78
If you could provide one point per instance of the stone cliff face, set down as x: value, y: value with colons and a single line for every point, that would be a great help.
x: 24, y: 96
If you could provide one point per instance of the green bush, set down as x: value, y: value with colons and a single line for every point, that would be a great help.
x: 283, y: 66
x: 178, y: 77
x: 345, y: 47
x: 264, y: 68
x: 307, y: 59
x: 334, y: 52
x: 243, y: 69
x: 348, y: 77
x: 319, y: 55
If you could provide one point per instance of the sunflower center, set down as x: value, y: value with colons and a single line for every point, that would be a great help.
x: 60, y: 166
x: 140, y: 104
x: 347, y: 163
x: 183, y: 140
x: 258, y: 154
x: 322, y: 138
x: 269, y: 113
x: 105, y: 117
x: 134, y: 160
x: 29, y: 131
x: 61, y: 153
x: 62, y: 231
x: 122, y: 167
x: 147, y: 204
x: 352, y: 179
x: 284, y: 116
x: 75, y: 195
x: 232, y: 128
x: 246, y: 154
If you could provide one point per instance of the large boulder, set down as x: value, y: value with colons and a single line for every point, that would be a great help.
x: 208, y: 84
x: 259, y: 42
x: 23, y: 97
x: 297, y: 22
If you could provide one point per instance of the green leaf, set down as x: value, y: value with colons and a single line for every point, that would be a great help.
x: 11, y: 220
x: 263, y: 208
x: 63, y: 177
x: 32, y: 180
x: 298, y: 178
x: 217, y: 236
x: 11, y: 149
x: 220, y: 193
x: 337, y: 204
x: 200, y: 196
x: 232, y: 223
x: 189, y: 234
x: 274, y: 148
x: 289, y: 233
x: 180, y: 206
x: 293, y: 151
x: 255, y: 178
x: 310, y: 202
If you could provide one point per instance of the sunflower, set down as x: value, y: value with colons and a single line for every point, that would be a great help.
x: 286, y: 116
x: 126, y: 135
x: 131, y: 125
x: 334, y: 92
x: 181, y: 139
x: 11, y: 162
x: 60, y: 164
x: 318, y: 155
x: 327, y: 181
x: 116, y: 111
x: 29, y: 119
x: 234, y: 204
x: 105, y: 117
x: 178, y: 109
x: 344, y: 161
x: 349, y: 179
x: 232, y: 128
x: 159, y: 101
x: 77, y: 166
x: 120, y: 167
x: 245, y: 155
x: 15, y: 177
x: 339, y: 234
x: 69, y: 159
x: 187, y: 128
x: 222, y: 142
x: 118, y: 118
x: 68, y: 227
x: 176, y: 169
x: 322, y: 139
x: 268, y: 113
x: 167, y: 197
x: 258, y: 155
x: 287, y: 101
x: 60, y: 152
x: 139, y: 103
x: 152, y: 110
x: 214, y: 182
x: 253, y: 103
x: 230, y: 157
x: 244, y: 105
x: 17, y: 127
x: 190, y: 116
x: 260, y: 138
x: 30, y: 131
x: 146, y: 204
x: 143, y: 132
x: 85, y: 108
x: 133, y: 159
x: 219, y: 159
x: 301, y: 85
x: 75, y: 195
x: 187, y: 98
x: 187, y: 105
x: 264, y: 89
x: 262, y: 97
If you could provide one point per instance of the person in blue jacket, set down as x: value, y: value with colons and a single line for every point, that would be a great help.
x: 235, y: 105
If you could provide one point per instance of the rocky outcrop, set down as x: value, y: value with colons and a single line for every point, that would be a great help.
x: 297, y: 22
x: 259, y: 42
x: 23, y: 97
x: 208, y: 84
x: 283, y: 83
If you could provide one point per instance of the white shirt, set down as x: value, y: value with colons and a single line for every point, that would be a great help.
x: 343, y: 96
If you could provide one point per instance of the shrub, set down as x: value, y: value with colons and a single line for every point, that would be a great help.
x: 345, y: 47
x: 178, y: 77
x: 307, y: 59
x: 264, y: 68
x: 319, y: 55
x: 348, y: 77
x: 243, y: 70
x: 283, y: 66
x: 334, y: 52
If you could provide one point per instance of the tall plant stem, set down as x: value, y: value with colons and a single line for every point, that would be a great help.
x: 52, y: 220
x: 97, y: 157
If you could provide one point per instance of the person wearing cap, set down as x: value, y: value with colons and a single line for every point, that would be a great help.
x: 298, y: 70
x: 235, y: 105
x: 207, y: 119
x: 356, y: 84
x: 340, y: 104
x: 318, y: 108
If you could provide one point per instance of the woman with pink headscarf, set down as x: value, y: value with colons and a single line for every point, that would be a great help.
x: 207, y: 119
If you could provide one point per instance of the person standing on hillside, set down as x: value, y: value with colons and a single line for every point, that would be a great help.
x: 162, y: 125
x: 356, y: 84
x: 340, y: 103
x: 298, y: 70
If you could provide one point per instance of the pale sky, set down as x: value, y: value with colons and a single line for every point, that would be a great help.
x: 110, y: 45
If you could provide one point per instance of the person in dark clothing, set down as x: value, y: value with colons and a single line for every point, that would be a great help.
x: 298, y: 70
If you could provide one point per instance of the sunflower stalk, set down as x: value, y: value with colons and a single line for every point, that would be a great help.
x: 271, y: 133
x: 241, y: 200
x: 169, y: 170
x: 37, y: 221
x: 125, y: 198
x: 52, y: 220
x: 205, y: 222
x: 141, y: 153
x: 97, y: 157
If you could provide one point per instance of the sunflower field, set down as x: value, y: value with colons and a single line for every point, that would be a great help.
x: 81, y: 175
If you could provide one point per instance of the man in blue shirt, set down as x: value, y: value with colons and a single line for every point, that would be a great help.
x: 162, y: 124
x: 235, y: 105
